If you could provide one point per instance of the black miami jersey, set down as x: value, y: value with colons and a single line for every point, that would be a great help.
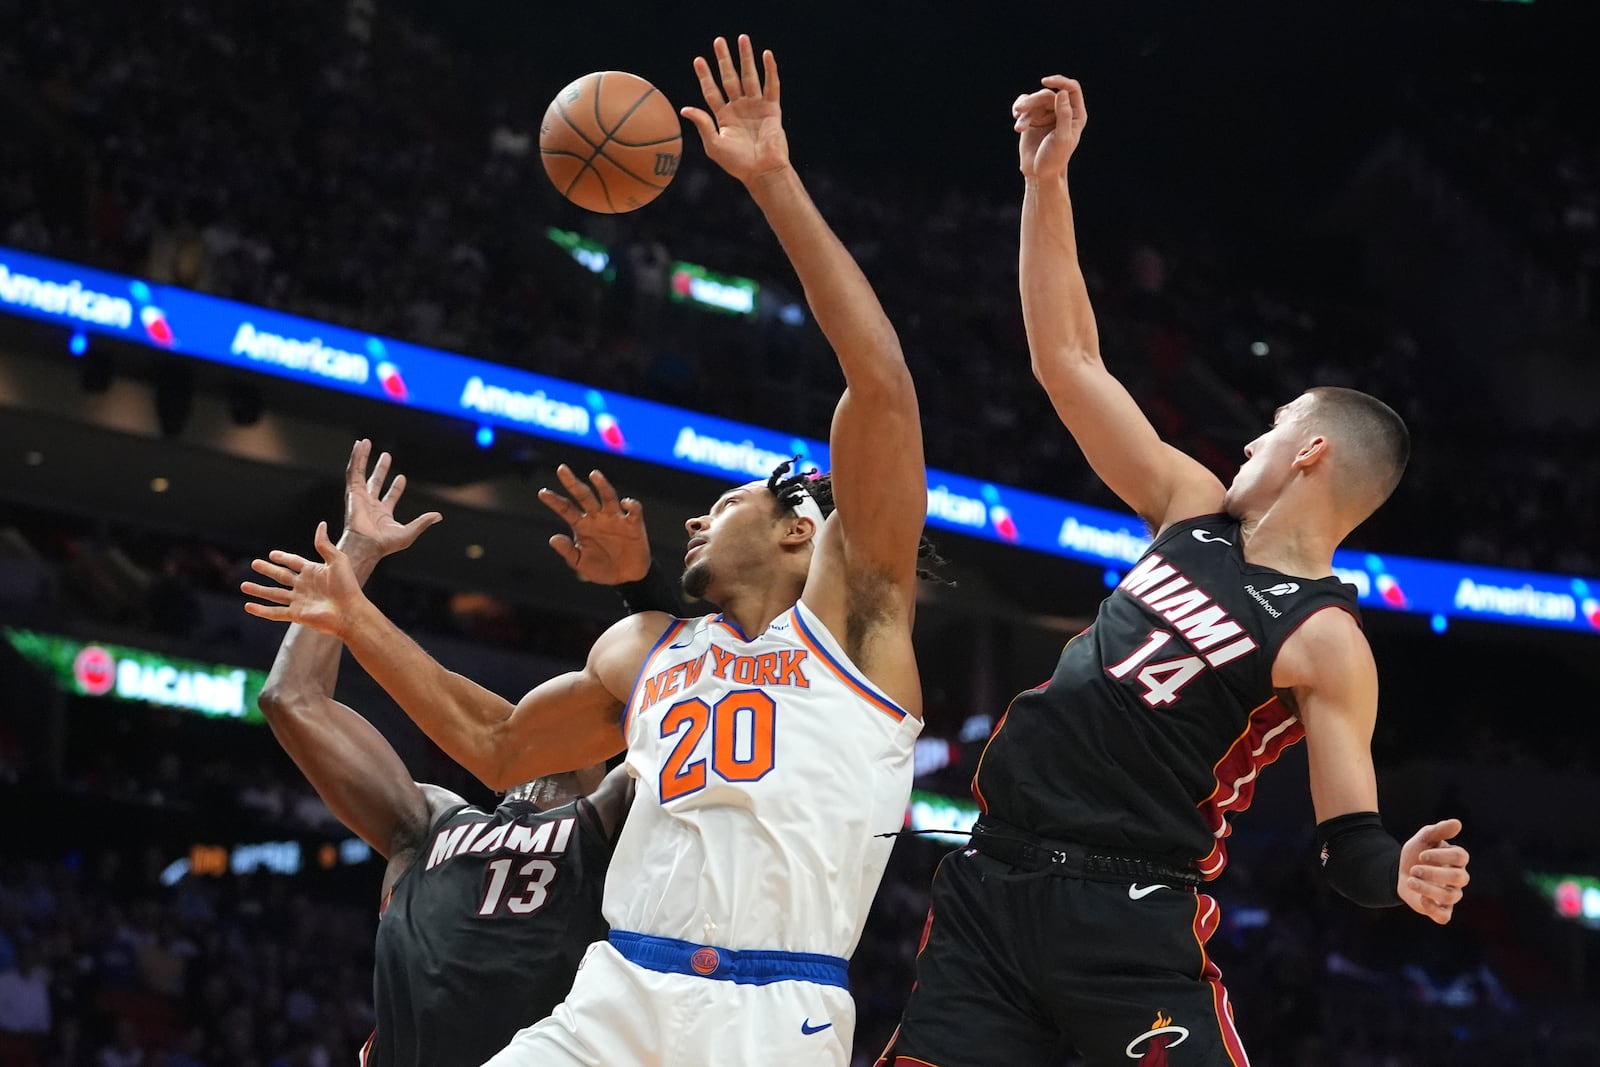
x: 1161, y: 714
x: 483, y: 933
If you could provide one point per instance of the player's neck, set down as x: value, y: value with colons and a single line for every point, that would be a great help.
x: 1290, y: 538
x: 753, y: 609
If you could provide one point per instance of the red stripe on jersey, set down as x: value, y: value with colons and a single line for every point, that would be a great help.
x: 1206, y: 918
x: 1269, y: 730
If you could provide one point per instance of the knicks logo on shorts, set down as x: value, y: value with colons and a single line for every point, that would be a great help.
x: 704, y: 960
x: 1150, y: 1047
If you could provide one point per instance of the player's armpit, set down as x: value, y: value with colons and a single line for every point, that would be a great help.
x: 1327, y: 665
x: 574, y: 720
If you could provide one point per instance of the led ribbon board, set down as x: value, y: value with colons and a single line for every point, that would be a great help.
x: 117, y: 672
x: 494, y: 396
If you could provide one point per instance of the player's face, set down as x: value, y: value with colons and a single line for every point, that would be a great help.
x: 737, y: 534
x: 1269, y: 459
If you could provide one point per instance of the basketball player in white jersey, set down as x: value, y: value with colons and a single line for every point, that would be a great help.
x: 770, y: 743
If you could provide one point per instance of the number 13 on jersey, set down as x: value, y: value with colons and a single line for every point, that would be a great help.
x: 742, y: 725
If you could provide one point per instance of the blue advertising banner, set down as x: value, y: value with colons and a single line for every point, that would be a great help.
x: 494, y: 396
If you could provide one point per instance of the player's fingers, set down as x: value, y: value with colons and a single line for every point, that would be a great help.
x: 604, y: 489
x: 397, y: 489
x: 272, y: 594
x: 566, y: 549
x: 749, y: 80
x: 632, y: 510
x: 708, y: 84
x: 730, y: 77
x: 281, y: 575
x: 356, y: 469
x: 770, y: 61
x: 702, y: 122
x: 1441, y: 895
x: 559, y: 504
x: 1441, y: 876
x: 288, y: 559
x: 1069, y: 105
x: 267, y: 611
x: 580, y: 493
x: 1444, y: 830
x: 422, y: 522
x: 380, y: 471
x: 325, y: 546
x: 1444, y: 856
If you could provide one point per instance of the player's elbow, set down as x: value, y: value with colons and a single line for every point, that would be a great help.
x: 1061, y: 368
x: 280, y: 701
x: 884, y: 377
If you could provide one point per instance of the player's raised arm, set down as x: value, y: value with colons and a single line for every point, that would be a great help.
x: 350, y: 765
x: 879, y: 475
x: 568, y: 722
x: 1327, y: 665
x: 1157, y: 481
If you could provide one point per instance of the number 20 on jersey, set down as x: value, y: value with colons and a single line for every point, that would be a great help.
x: 742, y: 725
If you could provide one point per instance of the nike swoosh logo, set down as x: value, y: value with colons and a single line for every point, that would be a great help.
x: 1139, y: 892
x: 681, y: 644
x: 807, y: 1028
x: 1205, y: 537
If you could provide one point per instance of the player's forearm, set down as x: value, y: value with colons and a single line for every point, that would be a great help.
x: 462, y: 717
x: 838, y: 293
x: 1055, y: 299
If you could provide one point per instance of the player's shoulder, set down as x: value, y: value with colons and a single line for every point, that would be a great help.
x: 632, y: 638
x: 1327, y: 645
x: 442, y: 803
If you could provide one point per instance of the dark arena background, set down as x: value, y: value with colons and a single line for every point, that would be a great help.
x: 293, y: 224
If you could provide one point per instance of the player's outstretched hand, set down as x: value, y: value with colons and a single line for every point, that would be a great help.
x: 1433, y: 872
x: 743, y: 129
x: 608, y: 544
x: 369, y: 522
x: 317, y: 595
x: 1049, y: 124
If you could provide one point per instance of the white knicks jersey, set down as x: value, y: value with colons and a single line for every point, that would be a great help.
x: 765, y: 768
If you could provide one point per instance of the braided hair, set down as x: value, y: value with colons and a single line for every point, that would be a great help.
x: 790, y: 489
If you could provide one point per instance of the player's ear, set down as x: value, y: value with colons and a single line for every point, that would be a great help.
x: 1311, y: 453
x: 798, y: 529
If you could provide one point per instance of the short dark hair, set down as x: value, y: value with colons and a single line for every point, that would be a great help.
x: 786, y: 489
x: 1376, y: 443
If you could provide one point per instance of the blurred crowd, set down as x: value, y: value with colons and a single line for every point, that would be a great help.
x: 362, y: 172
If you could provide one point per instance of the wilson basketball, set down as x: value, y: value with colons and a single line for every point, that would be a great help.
x: 610, y: 142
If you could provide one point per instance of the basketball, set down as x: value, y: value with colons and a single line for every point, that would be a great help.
x: 610, y: 142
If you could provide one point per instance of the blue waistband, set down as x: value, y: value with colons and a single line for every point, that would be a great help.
x: 745, y: 967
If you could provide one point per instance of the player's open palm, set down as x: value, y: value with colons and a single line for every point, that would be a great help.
x: 317, y: 595
x: 608, y: 545
x: 369, y: 511
x: 743, y: 128
x: 1049, y: 124
x: 1433, y: 872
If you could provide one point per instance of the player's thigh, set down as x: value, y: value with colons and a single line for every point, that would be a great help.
x: 781, y: 1022
x: 614, y: 1016
x: 1176, y: 1020
x: 971, y: 1005
x: 1139, y: 986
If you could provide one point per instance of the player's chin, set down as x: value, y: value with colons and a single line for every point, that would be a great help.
x: 697, y: 577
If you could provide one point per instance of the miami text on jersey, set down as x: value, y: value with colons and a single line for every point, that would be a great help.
x: 547, y: 838
x: 1175, y: 598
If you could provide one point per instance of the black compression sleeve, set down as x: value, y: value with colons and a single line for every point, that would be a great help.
x: 654, y: 592
x: 1360, y: 860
